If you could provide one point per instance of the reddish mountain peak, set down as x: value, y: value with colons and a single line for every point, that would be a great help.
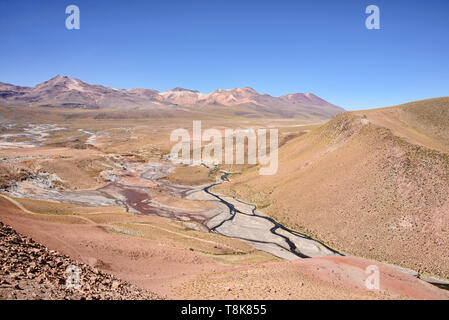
x: 246, y: 89
x: 299, y: 97
x: 58, y: 80
x: 178, y: 89
x: 143, y: 91
x: 146, y: 93
x: 307, y: 99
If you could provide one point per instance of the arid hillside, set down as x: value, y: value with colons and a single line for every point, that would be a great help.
x: 422, y: 122
x: 370, y: 183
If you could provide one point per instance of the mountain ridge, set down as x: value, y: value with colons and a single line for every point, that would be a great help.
x: 62, y: 91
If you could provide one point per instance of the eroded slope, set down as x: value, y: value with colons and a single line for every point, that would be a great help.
x: 365, y: 187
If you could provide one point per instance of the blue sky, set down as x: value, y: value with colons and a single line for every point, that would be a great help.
x: 276, y: 47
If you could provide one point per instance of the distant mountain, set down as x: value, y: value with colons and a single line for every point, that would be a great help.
x: 9, y: 91
x: 307, y: 98
x: 64, y: 92
x: 67, y: 92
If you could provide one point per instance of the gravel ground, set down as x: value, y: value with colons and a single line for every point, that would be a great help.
x: 32, y: 271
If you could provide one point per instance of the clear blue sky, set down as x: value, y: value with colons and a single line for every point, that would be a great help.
x: 276, y: 47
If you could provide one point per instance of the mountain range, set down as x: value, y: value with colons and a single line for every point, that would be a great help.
x: 65, y: 92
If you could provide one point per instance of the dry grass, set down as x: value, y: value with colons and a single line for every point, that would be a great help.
x: 77, y: 173
x: 266, y: 283
x: 56, y: 208
x: 192, y: 176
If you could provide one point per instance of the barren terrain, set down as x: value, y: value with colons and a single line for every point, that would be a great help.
x: 366, y: 188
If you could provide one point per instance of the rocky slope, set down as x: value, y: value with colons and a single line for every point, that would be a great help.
x: 31, y: 271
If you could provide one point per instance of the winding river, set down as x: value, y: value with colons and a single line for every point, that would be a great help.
x: 237, y: 219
